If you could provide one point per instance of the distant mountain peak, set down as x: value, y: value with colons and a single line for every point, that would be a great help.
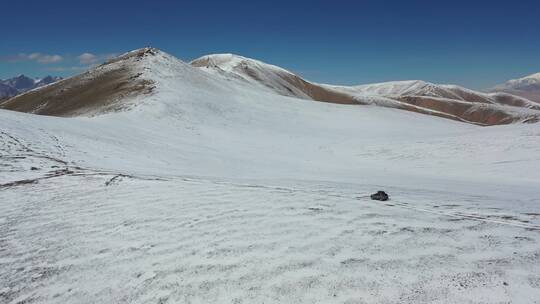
x: 533, y: 76
x: 22, y: 83
x: 526, y: 87
x: 525, y: 83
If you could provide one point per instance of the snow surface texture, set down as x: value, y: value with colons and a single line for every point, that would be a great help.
x: 215, y: 191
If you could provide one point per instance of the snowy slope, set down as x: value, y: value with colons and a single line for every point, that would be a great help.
x: 211, y: 189
x: 269, y: 77
x: 188, y: 98
x: 252, y: 71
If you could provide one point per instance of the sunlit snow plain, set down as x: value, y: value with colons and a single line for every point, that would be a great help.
x: 214, y: 191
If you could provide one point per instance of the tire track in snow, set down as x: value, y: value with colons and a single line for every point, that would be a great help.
x: 392, y: 202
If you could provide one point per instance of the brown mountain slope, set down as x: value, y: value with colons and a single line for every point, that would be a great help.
x: 96, y: 91
x: 529, y: 95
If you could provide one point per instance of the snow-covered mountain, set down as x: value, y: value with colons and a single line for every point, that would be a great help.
x: 182, y: 184
x: 20, y: 83
x: 447, y: 101
x: 527, y: 87
x: 527, y: 83
x: 270, y: 77
x: 39, y: 82
x: 7, y: 91
x: 17, y: 85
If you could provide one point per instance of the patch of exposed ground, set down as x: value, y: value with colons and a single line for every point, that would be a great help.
x: 483, y: 114
x: 530, y: 95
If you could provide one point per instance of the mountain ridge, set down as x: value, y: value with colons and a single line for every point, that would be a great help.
x: 448, y: 101
x: 124, y: 81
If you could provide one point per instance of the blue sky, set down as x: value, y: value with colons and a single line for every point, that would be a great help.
x: 473, y: 43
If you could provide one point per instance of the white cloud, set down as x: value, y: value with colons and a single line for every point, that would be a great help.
x: 37, y: 57
x: 33, y: 56
x: 88, y: 58
x: 46, y: 59
x: 92, y: 59
x: 110, y: 56
x: 67, y: 69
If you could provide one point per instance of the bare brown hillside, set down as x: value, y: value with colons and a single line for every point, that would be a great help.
x: 99, y: 90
